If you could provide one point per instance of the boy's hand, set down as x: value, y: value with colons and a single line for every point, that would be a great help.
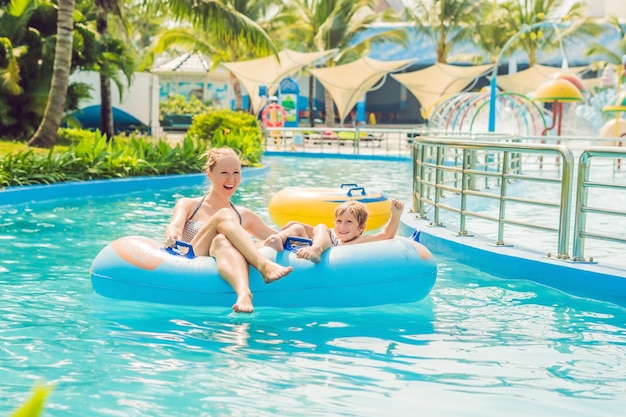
x: 396, y: 207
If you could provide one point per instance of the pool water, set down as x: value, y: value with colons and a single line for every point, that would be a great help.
x: 476, y: 346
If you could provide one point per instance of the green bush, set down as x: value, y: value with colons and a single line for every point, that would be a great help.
x: 90, y: 156
x: 235, y: 129
x: 179, y: 104
x: 96, y: 158
x: 68, y: 136
x: 246, y: 142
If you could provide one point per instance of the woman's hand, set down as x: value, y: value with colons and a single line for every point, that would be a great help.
x: 170, y: 240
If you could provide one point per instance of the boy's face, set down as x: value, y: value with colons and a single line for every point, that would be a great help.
x: 347, y: 227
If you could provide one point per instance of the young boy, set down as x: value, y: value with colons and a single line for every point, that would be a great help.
x: 350, y: 221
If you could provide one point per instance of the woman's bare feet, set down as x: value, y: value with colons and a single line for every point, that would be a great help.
x: 243, y: 304
x: 275, y: 242
x: 311, y: 253
x: 271, y: 271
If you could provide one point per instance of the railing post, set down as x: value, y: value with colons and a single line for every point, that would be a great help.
x: 438, y: 180
x: 357, y: 138
x: 471, y: 161
x: 566, y: 201
x: 418, y: 167
x: 580, y: 222
x: 465, y: 185
x: 502, y: 207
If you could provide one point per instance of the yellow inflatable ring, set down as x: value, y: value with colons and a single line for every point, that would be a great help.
x: 317, y: 205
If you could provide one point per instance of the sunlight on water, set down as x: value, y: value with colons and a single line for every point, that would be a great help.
x: 476, y: 346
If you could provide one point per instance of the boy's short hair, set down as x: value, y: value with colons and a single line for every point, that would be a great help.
x: 354, y: 207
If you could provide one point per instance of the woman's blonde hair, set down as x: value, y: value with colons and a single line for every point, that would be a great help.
x: 356, y: 208
x: 214, y: 154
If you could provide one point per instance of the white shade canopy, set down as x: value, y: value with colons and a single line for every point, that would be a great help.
x: 348, y: 83
x: 528, y: 80
x: 269, y: 71
x: 440, y: 80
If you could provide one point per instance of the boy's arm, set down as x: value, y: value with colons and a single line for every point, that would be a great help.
x: 292, y: 228
x: 287, y: 228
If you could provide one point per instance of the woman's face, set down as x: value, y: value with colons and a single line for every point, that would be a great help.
x: 226, y: 175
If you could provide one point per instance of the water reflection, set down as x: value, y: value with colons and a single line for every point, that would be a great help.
x: 373, y: 331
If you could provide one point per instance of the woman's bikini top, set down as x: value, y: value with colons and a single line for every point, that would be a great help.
x: 192, y: 227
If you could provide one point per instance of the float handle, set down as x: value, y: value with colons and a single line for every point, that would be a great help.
x: 356, y: 189
x: 294, y: 243
x: 177, y: 249
x: 349, y: 185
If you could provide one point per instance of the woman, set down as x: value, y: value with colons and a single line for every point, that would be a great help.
x: 215, y: 227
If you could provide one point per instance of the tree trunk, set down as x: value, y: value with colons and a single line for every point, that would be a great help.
x: 46, y: 134
x: 106, y: 107
x: 329, y: 105
x: 106, y: 102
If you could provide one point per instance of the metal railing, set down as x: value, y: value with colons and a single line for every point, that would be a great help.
x: 443, y: 181
x: 505, y: 171
x: 357, y: 140
x: 338, y: 140
x: 584, y: 186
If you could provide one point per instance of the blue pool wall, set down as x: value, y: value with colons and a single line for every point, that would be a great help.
x: 588, y: 280
x: 14, y: 196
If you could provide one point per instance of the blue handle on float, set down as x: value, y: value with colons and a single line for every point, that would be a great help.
x: 178, y: 249
x: 349, y: 185
x: 356, y: 189
x: 294, y: 243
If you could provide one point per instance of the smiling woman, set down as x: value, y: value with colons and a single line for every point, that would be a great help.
x: 214, y: 226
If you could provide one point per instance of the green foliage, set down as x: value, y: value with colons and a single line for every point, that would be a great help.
x: 68, y: 136
x: 28, y: 30
x: 204, y: 125
x: 178, y: 104
x: 235, y: 129
x: 90, y: 156
x: 248, y: 143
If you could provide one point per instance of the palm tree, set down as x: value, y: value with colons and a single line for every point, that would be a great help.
x: 208, y: 43
x: 145, y: 26
x: 106, y: 7
x: 114, y: 56
x: 613, y: 55
x: 322, y: 25
x: 219, y: 18
x: 446, y: 22
x: 46, y: 134
x: 492, y: 31
x: 209, y: 14
x: 25, y: 65
x: 563, y: 25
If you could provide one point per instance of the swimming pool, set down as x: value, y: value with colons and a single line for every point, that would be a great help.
x: 478, y: 345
